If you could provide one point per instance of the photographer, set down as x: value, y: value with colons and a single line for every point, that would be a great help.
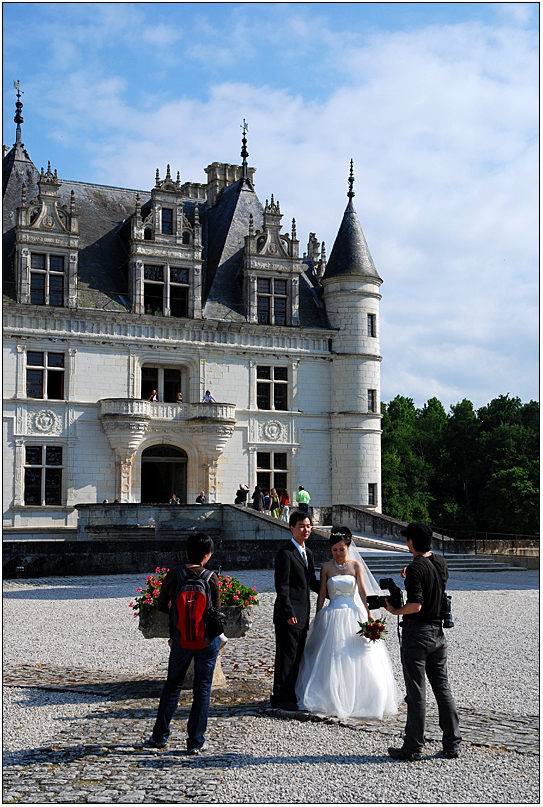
x: 424, y: 648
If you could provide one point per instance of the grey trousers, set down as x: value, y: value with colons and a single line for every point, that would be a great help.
x: 424, y: 653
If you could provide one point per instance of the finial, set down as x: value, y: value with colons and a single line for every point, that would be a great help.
x: 351, y: 182
x: 168, y: 174
x: 244, y: 152
x: 18, y: 117
x: 251, y: 225
x: 196, y: 214
x: 293, y: 229
x: 323, y: 252
x: 23, y: 195
x: 157, y: 179
x: 72, y: 202
x: 178, y: 181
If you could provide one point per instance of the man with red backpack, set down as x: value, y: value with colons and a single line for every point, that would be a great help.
x: 191, y: 595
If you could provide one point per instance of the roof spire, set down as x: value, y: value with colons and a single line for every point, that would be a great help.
x: 351, y: 182
x: 244, y: 152
x: 18, y: 117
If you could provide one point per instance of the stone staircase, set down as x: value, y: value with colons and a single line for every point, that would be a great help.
x: 391, y: 564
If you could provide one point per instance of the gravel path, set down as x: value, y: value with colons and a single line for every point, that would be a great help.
x: 83, y: 630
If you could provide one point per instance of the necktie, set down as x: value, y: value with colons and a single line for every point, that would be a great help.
x: 304, y: 556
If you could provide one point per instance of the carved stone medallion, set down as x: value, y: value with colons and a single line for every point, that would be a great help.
x: 273, y: 430
x: 46, y: 422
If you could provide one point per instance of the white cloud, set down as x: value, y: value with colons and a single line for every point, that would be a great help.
x: 442, y: 125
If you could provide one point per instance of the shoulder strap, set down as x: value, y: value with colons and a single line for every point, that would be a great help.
x: 436, y: 572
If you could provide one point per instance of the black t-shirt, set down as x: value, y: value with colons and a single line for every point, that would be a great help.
x: 422, y: 585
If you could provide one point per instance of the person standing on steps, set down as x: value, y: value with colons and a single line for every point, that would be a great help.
x: 303, y: 498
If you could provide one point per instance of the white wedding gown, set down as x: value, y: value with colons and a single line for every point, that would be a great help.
x: 343, y: 674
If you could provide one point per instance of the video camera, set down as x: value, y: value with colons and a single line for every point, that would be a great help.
x: 395, y: 595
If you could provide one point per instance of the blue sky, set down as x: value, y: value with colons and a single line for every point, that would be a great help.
x: 437, y: 103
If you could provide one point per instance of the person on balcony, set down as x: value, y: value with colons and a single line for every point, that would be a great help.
x: 208, y: 397
x: 201, y: 498
x: 153, y: 396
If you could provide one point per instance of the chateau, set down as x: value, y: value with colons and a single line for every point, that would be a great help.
x: 113, y: 294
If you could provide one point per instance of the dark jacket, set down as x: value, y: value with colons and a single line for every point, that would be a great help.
x: 293, y: 583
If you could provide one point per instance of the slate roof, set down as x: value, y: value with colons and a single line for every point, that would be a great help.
x: 350, y: 254
x: 104, y: 215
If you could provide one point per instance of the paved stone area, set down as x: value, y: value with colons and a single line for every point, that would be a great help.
x: 100, y: 758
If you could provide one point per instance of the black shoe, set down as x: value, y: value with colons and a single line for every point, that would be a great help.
x: 286, y: 706
x: 451, y: 753
x: 406, y: 756
x: 153, y: 744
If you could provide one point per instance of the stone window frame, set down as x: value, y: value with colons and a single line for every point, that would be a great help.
x: 372, y: 325
x: 44, y: 467
x: 271, y: 382
x: 161, y: 367
x: 372, y: 400
x: 46, y: 369
x: 167, y: 285
x: 47, y: 273
x: 372, y: 494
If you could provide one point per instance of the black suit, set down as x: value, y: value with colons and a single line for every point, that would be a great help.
x: 293, y: 583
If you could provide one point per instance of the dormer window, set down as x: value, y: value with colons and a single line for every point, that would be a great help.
x: 166, y: 290
x: 272, y: 297
x: 46, y: 279
x: 167, y: 221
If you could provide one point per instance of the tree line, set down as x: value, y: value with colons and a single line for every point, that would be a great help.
x: 466, y: 469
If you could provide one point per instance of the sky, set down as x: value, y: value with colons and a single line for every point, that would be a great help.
x: 436, y: 103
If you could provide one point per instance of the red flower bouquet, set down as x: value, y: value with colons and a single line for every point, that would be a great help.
x: 373, y: 629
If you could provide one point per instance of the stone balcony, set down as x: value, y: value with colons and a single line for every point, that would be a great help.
x: 123, y: 408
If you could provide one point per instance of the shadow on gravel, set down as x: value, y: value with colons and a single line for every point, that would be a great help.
x: 115, y: 592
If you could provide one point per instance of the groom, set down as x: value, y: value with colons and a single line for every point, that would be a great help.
x: 294, y: 579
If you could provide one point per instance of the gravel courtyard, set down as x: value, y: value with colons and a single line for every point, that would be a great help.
x: 81, y: 687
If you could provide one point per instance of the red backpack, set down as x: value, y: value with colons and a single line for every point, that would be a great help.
x: 188, y: 611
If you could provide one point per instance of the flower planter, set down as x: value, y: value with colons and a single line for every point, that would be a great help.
x: 156, y: 625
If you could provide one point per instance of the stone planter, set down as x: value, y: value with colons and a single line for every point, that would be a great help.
x: 156, y: 625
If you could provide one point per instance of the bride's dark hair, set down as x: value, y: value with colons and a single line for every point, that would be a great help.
x: 340, y: 534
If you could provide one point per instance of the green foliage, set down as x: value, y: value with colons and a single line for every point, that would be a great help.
x: 465, y: 469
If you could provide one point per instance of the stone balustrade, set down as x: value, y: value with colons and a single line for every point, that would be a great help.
x: 135, y: 407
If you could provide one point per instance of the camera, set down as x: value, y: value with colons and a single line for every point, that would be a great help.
x: 446, y: 611
x: 395, y: 595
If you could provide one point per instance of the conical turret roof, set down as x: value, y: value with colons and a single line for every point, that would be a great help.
x: 350, y: 255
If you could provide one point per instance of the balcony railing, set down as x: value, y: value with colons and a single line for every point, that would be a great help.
x: 135, y: 407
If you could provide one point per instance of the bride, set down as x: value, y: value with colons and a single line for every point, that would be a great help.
x: 343, y: 674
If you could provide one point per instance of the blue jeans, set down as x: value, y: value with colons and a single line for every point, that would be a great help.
x: 424, y: 653
x: 204, y: 666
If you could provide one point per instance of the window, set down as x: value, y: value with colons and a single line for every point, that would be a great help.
x: 179, y: 292
x: 167, y: 221
x: 271, y: 301
x: 43, y: 475
x: 46, y: 279
x: 45, y: 375
x: 272, y: 470
x: 372, y: 493
x: 372, y: 400
x: 166, y: 381
x: 272, y: 388
x: 158, y: 280
x: 372, y: 325
x: 153, y: 288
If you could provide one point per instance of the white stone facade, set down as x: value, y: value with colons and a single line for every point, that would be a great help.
x: 78, y: 425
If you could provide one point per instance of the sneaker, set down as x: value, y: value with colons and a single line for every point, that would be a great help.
x: 451, y: 753
x: 153, y: 744
x: 195, y: 751
x: 403, y: 754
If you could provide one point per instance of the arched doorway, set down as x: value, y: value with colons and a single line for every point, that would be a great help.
x: 163, y: 472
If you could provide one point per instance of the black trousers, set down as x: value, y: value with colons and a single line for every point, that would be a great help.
x: 424, y: 654
x: 289, y: 649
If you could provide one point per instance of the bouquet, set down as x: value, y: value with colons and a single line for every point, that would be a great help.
x: 373, y: 629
